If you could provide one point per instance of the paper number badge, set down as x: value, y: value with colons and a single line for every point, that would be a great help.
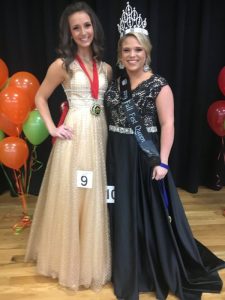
x: 84, y: 179
x: 110, y: 194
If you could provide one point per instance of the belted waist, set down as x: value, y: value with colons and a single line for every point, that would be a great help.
x: 127, y: 130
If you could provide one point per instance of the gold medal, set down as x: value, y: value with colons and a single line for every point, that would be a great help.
x: 96, y: 109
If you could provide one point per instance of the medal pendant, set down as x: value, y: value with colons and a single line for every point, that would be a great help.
x: 96, y: 109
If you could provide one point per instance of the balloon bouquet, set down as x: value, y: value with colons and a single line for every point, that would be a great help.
x: 21, y: 130
x: 216, y: 120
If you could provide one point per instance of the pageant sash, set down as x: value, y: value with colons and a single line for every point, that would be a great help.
x: 142, y: 136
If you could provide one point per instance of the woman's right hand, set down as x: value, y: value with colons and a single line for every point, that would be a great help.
x: 63, y: 132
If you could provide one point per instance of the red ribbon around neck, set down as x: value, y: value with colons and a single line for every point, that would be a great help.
x: 94, y: 82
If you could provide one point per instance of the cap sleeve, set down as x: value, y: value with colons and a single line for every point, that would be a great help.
x: 158, y: 83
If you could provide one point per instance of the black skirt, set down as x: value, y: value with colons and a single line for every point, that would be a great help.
x: 149, y: 251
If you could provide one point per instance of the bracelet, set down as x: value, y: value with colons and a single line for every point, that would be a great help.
x: 164, y: 166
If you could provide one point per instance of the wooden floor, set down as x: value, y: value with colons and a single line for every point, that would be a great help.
x: 20, y: 281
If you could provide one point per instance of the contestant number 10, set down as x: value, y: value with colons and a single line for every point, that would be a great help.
x: 110, y: 194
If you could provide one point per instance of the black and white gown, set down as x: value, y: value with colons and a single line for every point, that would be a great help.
x: 150, y: 253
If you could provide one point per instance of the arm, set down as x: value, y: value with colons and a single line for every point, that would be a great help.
x: 56, y: 74
x: 165, y: 110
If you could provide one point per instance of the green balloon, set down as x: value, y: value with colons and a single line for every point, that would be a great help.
x: 34, y: 128
x: 2, y: 135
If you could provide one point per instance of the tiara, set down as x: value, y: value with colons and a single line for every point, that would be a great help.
x: 130, y: 21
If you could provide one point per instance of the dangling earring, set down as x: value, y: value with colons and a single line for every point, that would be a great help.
x: 120, y: 65
x: 146, y: 67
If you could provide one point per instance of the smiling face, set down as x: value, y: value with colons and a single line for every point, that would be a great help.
x: 133, y: 55
x: 81, y: 29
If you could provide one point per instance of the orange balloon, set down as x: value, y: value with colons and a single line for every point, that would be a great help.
x: 14, y: 104
x: 27, y: 82
x: 8, y: 127
x: 5, y: 85
x: 4, y: 73
x: 13, y: 152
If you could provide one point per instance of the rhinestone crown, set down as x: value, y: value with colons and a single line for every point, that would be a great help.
x: 131, y: 21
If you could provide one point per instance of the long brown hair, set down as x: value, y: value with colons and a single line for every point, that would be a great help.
x: 67, y: 47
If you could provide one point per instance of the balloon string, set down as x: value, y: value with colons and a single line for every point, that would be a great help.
x: 223, y: 149
x: 18, y: 179
x: 25, y: 176
x: 30, y: 168
x: 34, y: 165
x: 25, y: 220
x: 22, y: 195
x: 221, y: 153
x: 8, y: 179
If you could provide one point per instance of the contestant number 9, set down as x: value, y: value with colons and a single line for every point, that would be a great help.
x: 84, y: 179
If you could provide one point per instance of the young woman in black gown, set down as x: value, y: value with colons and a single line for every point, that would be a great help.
x: 153, y: 248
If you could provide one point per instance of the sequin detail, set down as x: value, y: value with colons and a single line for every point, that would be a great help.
x: 129, y: 130
x: 144, y: 96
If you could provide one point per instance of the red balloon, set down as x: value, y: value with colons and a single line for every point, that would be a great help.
x: 14, y: 104
x: 28, y: 82
x: 221, y: 80
x: 216, y: 117
x: 13, y: 152
x: 4, y: 73
x: 64, y: 107
x: 8, y: 127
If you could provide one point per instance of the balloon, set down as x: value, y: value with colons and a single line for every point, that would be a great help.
x: 4, y: 73
x: 216, y: 117
x: 27, y: 82
x: 221, y: 80
x: 2, y: 135
x: 14, y: 104
x: 34, y: 128
x: 8, y: 127
x: 5, y: 85
x: 13, y: 152
x: 64, y: 107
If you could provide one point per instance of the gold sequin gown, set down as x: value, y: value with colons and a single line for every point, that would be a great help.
x: 69, y: 236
